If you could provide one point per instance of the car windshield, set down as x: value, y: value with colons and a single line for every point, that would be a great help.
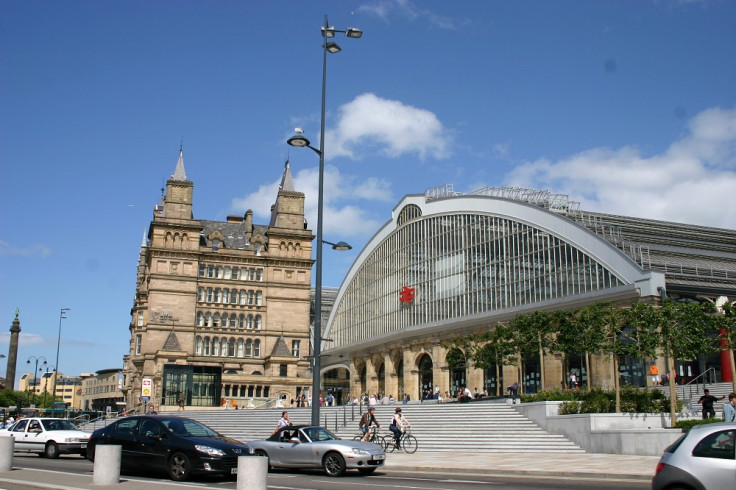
x: 58, y: 425
x: 319, y: 434
x: 189, y: 428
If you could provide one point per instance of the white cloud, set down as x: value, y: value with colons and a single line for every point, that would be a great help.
x: 27, y: 251
x: 387, y: 127
x: 693, y: 181
x: 405, y: 10
x: 24, y: 339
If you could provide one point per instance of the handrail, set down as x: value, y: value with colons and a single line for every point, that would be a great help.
x: 697, y: 383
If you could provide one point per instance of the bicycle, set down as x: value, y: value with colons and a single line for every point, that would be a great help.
x: 374, y: 437
x: 407, y: 442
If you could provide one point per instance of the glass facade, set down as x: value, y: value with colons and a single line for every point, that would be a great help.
x: 459, y: 265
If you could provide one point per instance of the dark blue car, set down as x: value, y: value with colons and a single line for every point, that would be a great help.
x: 177, y: 445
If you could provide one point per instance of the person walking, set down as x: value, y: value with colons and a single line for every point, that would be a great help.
x: 368, y: 419
x: 729, y: 408
x: 397, y: 426
x: 283, y: 422
x: 707, y: 400
x: 654, y: 372
x: 180, y: 402
x: 513, y: 390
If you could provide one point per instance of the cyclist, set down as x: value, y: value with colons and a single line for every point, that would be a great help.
x: 397, y: 425
x: 366, y: 421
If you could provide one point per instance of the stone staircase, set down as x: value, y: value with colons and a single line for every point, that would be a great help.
x: 689, y: 394
x: 483, y: 426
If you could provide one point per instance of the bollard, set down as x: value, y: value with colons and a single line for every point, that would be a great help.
x: 106, y: 470
x: 7, y: 446
x: 252, y: 473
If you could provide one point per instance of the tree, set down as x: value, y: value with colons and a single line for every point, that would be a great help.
x: 590, y: 323
x: 687, y: 330
x: 495, y: 347
x: 531, y: 334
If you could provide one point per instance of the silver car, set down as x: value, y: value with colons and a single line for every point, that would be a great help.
x: 704, y: 458
x: 308, y: 446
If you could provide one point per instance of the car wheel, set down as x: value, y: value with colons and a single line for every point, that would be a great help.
x: 334, y: 464
x: 52, y: 450
x: 367, y: 471
x: 179, y: 467
x: 263, y: 454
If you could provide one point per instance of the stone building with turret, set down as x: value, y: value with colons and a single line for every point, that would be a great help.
x: 222, y: 308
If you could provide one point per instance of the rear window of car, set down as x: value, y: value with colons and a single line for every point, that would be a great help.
x: 716, y: 445
x: 673, y: 447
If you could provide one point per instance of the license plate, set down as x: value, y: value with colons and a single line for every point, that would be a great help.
x: 234, y: 471
x: 379, y: 457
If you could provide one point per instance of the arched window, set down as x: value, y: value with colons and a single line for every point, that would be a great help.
x: 234, y: 297
x: 257, y: 348
x: 209, y: 295
x: 242, y: 296
x: 223, y: 347
x: 218, y: 295
x: 236, y: 272
x: 226, y: 295
x: 198, y: 346
x: 259, y: 298
x: 227, y: 272
x: 231, y: 347
x: 250, y: 297
x: 259, y: 275
x: 200, y: 294
x: 216, y: 320
x: 233, y: 320
x: 200, y: 319
x: 251, y: 274
x: 249, y: 323
x: 240, y: 347
x: 210, y: 271
x: 224, y: 320
x: 215, y: 347
x: 208, y: 319
x: 249, y: 348
x: 241, y: 321
x: 206, y: 346
x: 258, y: 322
x: 218, y: 272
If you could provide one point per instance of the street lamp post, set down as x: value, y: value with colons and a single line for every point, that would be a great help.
x: 46, y: 383
x: 300, y: 141
x: 35, y: 369
x: 58, y: 343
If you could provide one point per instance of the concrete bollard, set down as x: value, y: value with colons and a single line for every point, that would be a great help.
x: 106, y: 470
x: 7, y: 446
x: 252, y: 473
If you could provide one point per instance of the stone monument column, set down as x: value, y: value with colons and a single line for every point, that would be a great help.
x: 12, y: 353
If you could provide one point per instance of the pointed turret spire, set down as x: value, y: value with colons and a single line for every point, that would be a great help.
x: 144, y: 242
x: 180, y: 173
x: 287, y: 184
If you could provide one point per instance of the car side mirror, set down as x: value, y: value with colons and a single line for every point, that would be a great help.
x: 294, y: 440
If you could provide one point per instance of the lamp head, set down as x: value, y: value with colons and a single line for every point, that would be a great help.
x: 333, y: 47
x: 298, y: 141
x: 354, y: 32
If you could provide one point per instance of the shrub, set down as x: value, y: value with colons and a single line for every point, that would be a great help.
x: 599, y: 400
x: 686, y: 424
x: 569, y: 408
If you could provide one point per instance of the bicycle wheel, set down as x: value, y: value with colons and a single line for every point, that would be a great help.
x: 389, y: 445
x: 409, y: 443
x: 381, y: 441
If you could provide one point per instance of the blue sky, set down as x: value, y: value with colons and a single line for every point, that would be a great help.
x: 628, y: 106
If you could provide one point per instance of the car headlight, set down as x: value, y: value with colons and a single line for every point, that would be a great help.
x: 210, y: 451
x: 360, y: 451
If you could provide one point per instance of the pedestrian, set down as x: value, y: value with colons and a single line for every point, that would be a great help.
x: 654, y: 372
x: 397, y: 426
x: 283, y: 422
x: 573, y: 380
x: 707, y: 401
x: 180, y: 402
x: 513, y: 391
x: 151, y: 410
x: 729, y: 408
x: 368, y: 419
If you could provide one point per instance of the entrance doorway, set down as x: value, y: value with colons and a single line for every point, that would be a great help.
x: 426, y: 380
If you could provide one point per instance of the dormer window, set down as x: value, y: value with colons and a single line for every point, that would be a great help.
x: 216, y: 245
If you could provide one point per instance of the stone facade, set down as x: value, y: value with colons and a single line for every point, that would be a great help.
x: 222, y: 308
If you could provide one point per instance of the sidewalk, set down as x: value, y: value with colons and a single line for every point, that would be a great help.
x: 588, y: 466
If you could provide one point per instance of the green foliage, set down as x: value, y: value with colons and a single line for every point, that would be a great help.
x: 686, y: 424
x: 599, y: 400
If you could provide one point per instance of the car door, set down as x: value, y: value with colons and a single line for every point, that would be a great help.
x: 151, y: 444
x: 18, y: 431
x: 715, y: 456
x: 299, y: 454
x: 35, y: 438
x: 125, y: 434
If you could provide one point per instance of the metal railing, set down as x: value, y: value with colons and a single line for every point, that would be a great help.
x: 696, y: 382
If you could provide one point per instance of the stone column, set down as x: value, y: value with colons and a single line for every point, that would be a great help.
x: 12, y: 353
x: 391, y: 381
x: 371, y: 379
x: 440, y: 373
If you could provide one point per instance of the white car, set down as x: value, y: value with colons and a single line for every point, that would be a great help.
x: 49, y: 437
